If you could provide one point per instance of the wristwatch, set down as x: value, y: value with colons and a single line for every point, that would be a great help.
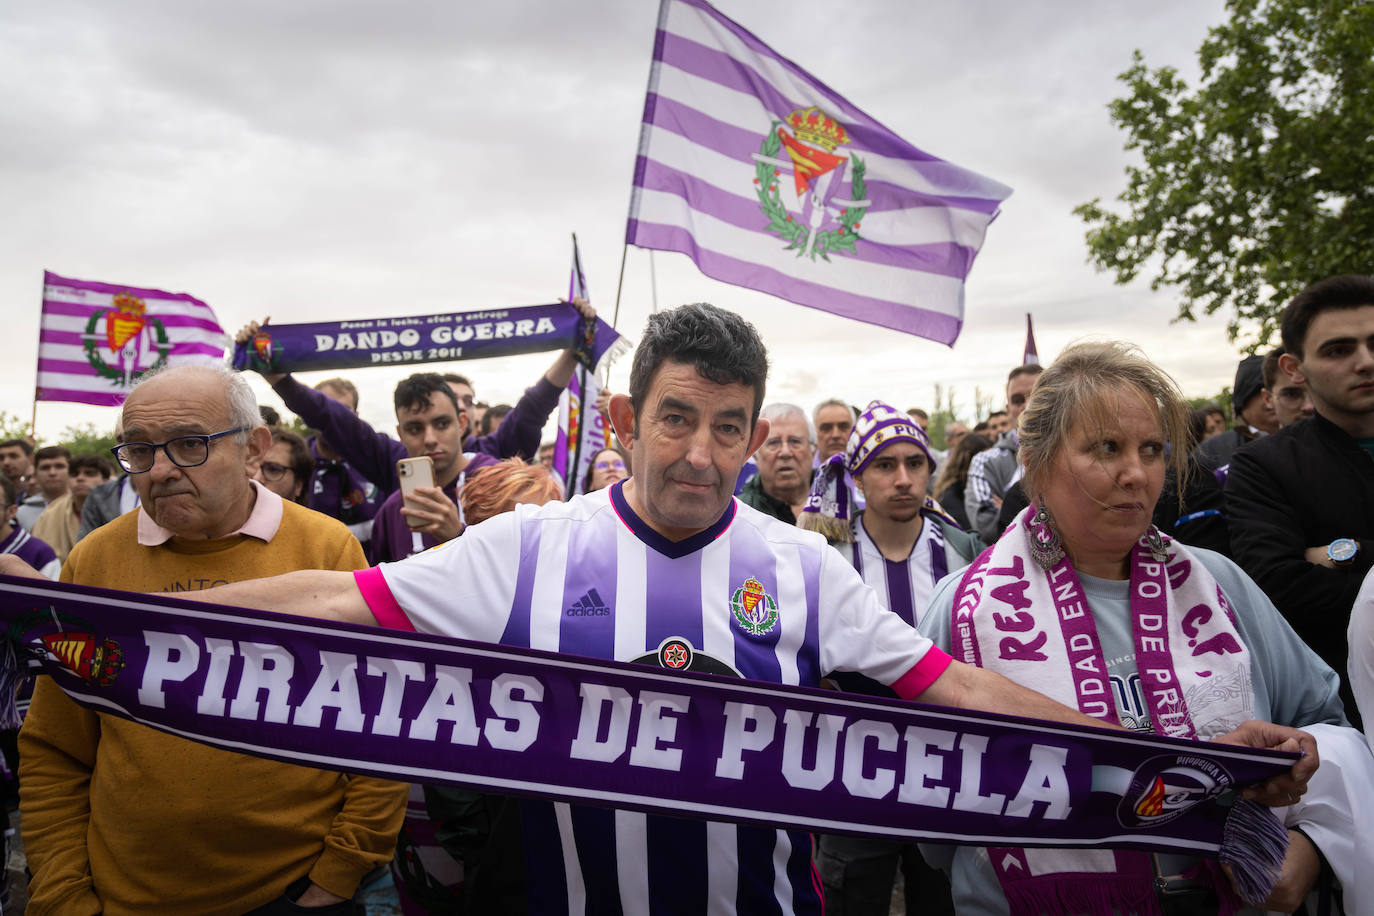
x: 1342, y: 551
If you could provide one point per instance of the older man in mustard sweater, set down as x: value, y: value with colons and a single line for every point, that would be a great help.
x: 121, y: 819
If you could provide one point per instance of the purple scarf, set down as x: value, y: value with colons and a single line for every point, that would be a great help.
x: 420, y: 708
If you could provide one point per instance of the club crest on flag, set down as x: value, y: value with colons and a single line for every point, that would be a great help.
x: 136, y: 341
x: 754, y: 609
x: 816, y: 174
x: 90, y: 658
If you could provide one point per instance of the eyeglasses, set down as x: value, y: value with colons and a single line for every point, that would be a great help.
x: 183, y: 451
x: 273, y: 471
x: 795, y: 443
x: 615, y: 463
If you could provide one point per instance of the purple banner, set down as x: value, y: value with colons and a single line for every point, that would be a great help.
x: 515, y: 721
x: 427, y: 339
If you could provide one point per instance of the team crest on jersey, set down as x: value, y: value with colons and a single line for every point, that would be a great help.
x: 754, y: 609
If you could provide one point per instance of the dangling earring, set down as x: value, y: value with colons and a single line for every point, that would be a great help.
x: 1155, y: 542
x: 1045, y: 545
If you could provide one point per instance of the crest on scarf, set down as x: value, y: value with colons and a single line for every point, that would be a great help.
x: 86, y: 655
x: 1163, y: 788
x: 136, y: 341
x: 815, y: 224
x: 754, y: 609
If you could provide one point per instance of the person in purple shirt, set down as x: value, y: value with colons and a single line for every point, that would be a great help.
x: 19, y: 542
x: 430, y: 423
x: 372, y: 454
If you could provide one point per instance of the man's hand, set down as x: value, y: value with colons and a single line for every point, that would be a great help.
x: 584, y: 307
x: 1318, y: 556
x: 603, y: 404
x: 10, y: 565
x: 437, y: 512
x: 245, y: 334
x: 1288, y: 788
x: 317, y: 896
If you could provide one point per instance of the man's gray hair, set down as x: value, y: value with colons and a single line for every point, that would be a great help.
x: 781, y: 411
x: 238, y: 396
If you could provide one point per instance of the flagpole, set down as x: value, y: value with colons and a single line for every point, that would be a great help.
x: 38, y: 358
x: 653, y: 280
x: 620, y: 284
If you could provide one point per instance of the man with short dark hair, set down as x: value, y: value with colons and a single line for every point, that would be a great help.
x: 784, y: 479
x: 430, y: 423
x: 16, y: 463
x: 664, y: 551
x: 997, y: 423
x: 120, y: 818
x: 1300, y: 503
x: 50, y: 480
x: 1289, y: 400
x: 991, y: 473
x: 60, y: 523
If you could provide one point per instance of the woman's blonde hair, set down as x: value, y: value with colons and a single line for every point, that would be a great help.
x: 500, y: 487
x: 1084, y: 386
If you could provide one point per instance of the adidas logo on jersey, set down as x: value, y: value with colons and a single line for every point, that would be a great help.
x: 589, y: 605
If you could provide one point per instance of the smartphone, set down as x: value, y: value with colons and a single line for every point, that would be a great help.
x: 415, y: 472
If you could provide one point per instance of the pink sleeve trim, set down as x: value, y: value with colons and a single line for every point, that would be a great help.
x: 922, y: 674
x: 380, y: 601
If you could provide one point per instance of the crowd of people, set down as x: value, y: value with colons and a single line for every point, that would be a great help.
x: 1096, y: 476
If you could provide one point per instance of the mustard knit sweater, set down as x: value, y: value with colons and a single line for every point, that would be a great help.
x: 121, y: 819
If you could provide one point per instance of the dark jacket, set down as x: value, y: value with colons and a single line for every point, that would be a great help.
x: 1304, y: 486
x: 752, y: 495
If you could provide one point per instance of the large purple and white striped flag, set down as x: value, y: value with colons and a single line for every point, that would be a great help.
x: 769, y: 179
x: 96, y: 340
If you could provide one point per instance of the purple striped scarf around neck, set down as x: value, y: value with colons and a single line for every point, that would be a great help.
x: 1185, y: 640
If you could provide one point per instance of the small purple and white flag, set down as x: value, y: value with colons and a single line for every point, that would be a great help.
x: 582, y: 431
x: 96, y: 340
x: 769, y: 179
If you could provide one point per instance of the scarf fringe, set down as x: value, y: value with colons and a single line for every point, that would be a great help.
x: 833, y: 529
x: 11, y: 676
x: 618, y: 348
x: 1095, y: 894
x: 1253, y: 843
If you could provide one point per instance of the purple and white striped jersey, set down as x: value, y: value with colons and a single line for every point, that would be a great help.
x: 904, y: 587
x: 750, y: 596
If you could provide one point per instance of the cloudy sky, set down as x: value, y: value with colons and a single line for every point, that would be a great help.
x: 320, y: 160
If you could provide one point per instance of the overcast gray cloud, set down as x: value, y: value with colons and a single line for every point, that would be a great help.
x: 311, y: 160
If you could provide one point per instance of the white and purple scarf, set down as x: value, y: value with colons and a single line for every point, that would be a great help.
x: 1186, y: 646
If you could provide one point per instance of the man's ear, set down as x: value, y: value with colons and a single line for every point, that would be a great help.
x: 259, y: 443
x: 1292, y: 368
x: 859, y: 483
x: 761, y: 430
x: 622, y: 411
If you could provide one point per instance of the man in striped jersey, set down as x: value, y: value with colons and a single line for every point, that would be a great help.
x: 666, y: 559
x: 901, y: 543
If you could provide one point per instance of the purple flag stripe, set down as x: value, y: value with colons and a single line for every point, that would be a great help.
x: 52, y: 279
x: 101, y: 399
x: 944, y: 258
x: 76, y: 310
x: 720, y: 68
x: 906, y: 318
x: 753, y: 44
x: 738, y: 143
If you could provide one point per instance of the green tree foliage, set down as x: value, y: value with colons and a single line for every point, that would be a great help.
x: 13, y: 427
x: 87, y: 440
x: 1260, y: 180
